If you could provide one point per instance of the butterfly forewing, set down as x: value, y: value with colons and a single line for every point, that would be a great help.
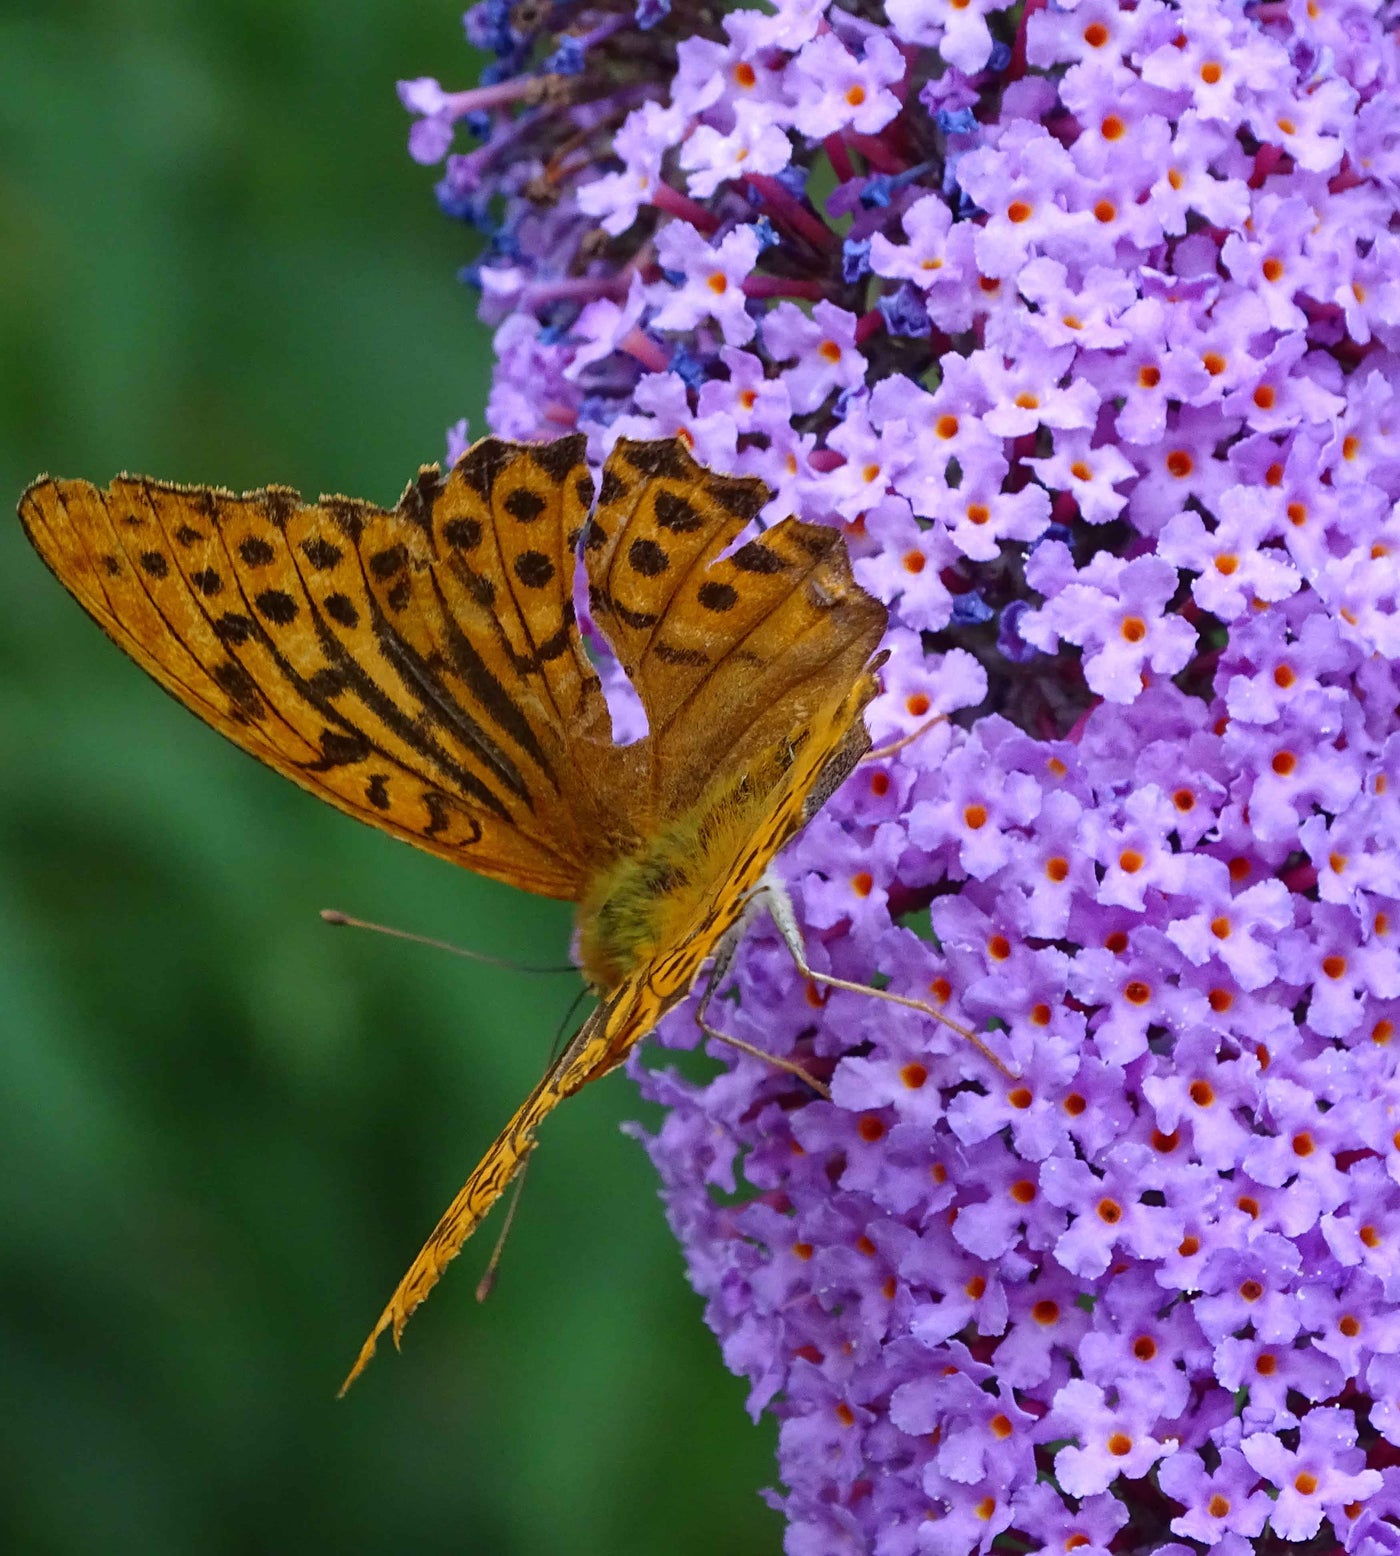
x: 259, y: 613
x: 729, y: 654
x: 661, y: 519
x: 505, y: 526
x: 813, y: 633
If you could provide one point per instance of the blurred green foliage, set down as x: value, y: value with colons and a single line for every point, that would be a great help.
x: 224, y: 1127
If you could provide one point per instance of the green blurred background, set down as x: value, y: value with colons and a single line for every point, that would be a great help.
x: 224, y: 1127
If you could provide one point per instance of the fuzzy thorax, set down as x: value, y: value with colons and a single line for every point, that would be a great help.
x: 662, y: 894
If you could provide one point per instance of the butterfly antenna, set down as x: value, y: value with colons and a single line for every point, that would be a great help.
x: 334, y: 916
x: 487, y: 1284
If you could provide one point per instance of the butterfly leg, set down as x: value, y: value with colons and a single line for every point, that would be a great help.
x: 774, y: 897
x: 719, y: 967
x: 880, y: 752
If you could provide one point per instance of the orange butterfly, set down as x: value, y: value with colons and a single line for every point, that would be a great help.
x: 421, y: 669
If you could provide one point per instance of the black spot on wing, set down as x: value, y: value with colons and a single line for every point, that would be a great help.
x: 660, y: 457
x: 676, y: 514
x: 255, y: 552
x: 111, y: 566
x: 462, y: 534
x: 534, y: 569
x: 321, y: 553
x: 187, y: 534
x: 755, y: 557
x: 377, y: 790
x: 612, y: 488
x: 741, y: 496
x: 815, y: 539
x: 153, y: 564
x: 399, y: 594
x: 207, y: 581
x: 482, y: 463
x: 560, y: 456
x: 340, y: 748
x: 341, y: 609
x: 241, y: 689
x: 392, y: 559
x: 647, y: 558
x: 327, y: 683
x: 524, y: 506
x: 276, y: 606
x: 717, y: 596
x: 233, y: 628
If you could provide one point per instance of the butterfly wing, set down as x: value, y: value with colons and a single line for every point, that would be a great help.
x: 418, y: 668
x: 733, y: 656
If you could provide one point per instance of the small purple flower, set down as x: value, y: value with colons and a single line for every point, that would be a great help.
x: 836, y: 90
x: 1116, y: 615
x: 820, y: 349
x: 1107, y: 1442
x: 1324, y: 1471
x: 712, y: 279
x: 1217, y: 1502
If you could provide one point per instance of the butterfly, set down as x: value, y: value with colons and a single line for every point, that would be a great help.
x: 422, y: 669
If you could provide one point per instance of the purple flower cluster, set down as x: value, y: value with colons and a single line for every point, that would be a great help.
x: 1082, y: 321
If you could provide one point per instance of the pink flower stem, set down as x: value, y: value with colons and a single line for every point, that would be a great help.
x: 482, y: 99
x: 580, y: 289
x: 841, y: 163
x: 882, y: 157
x: 1267, y: 160
x: 1302, y: 877
x: 674, y: 203
x: 869, y: 324
x: 784, y: 286
x: 639, y: 345
x: 791, y: 212
x: 1345, y: 178
x: 1017, y: 68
